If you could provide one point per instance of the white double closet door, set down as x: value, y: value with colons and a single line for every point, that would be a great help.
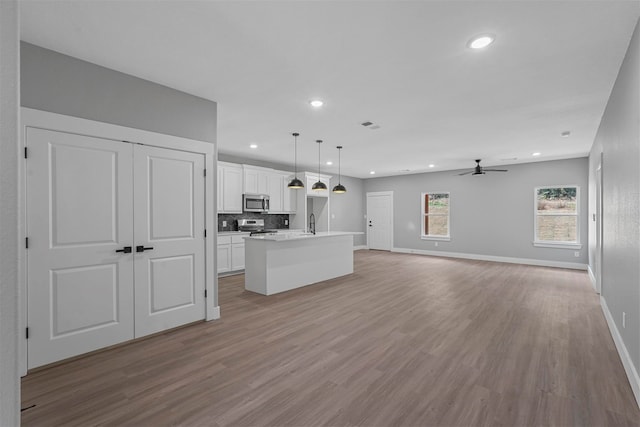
x: 116, y: 242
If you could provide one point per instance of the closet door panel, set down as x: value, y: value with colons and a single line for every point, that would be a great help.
x: 79, y: 211
x: 169, y: 229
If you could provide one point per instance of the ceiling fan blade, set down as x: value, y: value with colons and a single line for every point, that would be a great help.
x: 466, y: 173
x: 495, y: 170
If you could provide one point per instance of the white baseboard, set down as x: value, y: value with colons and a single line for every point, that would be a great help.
x: 510, y: 260
x: 629, y: 368
x: 360, y: 247
x: 215, y: 313
x: 592, y: 277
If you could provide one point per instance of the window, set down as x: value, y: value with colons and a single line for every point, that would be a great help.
x: 556, y: 216
x: 435, y: 216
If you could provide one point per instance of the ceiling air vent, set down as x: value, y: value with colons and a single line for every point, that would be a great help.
x: 366, y: 124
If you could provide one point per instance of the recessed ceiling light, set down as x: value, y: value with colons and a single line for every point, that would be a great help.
x: 253, y: 146
x: 536, y: 154
x: 432, y: 166
x: 372, y: 173
x: 316, y: 103
x: 565, y: 134
x: 329, y: 163
x: 481, y: 41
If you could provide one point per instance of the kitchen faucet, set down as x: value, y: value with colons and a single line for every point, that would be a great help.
x: 312, y: 224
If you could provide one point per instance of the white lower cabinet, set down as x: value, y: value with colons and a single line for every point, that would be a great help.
x: 237, y: 256
x: 231, y: 253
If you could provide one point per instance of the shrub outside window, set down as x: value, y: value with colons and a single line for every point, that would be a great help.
x: 557, y: 216
x: 435, y: 215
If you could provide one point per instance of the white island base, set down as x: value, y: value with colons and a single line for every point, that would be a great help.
x: 277, y: 263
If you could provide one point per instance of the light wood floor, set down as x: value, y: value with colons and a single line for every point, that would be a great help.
x: 406, y: 340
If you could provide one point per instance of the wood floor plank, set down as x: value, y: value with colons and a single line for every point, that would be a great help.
x: 406, y: 340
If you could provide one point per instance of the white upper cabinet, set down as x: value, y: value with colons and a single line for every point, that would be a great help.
x: 229, y: 188
x: 234, y: 180
x: 256, y: 180
x: 311, y: 178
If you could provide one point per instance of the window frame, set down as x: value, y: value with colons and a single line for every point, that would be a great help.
x: 440, y: 238
x: 558, y: 244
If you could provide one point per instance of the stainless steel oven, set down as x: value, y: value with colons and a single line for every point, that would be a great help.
x: 255, y: 203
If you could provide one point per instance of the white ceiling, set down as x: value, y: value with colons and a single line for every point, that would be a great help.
x: 403, y: 65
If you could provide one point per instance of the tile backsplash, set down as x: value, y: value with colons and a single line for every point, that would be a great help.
x: 271, y: 221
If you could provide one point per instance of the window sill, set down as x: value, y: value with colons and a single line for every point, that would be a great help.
x: 437, y: 238
x: 557, y: 245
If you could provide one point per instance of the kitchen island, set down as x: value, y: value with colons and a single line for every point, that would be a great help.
x: 280, y: 262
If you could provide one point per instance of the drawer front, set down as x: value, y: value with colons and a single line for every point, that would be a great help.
x: 224, y: 240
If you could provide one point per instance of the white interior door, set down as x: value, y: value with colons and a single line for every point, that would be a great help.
x: 79, y: 210
x: 380, y: 220
x: 169, y: 238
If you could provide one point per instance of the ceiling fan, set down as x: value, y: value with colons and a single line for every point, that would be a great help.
x: 479, y: 170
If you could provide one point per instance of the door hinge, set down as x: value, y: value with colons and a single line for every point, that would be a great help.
x: 25, y: 153
x: 205, y: 293
x: 205, y: 172
x: 26, y: 333
x: 205, y: 232
x: 26, y: 243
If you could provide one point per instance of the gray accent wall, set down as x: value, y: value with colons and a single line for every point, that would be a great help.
x: 492, y: 215
x: 51, y: 81
x: 618, y: 139
x: 9, y: 101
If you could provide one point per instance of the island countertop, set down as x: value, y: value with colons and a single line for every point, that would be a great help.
x: 280, y: 237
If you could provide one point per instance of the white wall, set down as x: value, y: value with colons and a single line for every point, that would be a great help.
x: 618, y: 139
x: 9, y: 101
x: 492, y: 215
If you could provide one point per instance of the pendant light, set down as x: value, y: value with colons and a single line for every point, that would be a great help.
x: 319, y: 186
x: 295, y: 182
x: 339, y: 189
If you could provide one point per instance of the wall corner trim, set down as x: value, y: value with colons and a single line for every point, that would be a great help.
x: 493, y: 258
x: 629, y: 368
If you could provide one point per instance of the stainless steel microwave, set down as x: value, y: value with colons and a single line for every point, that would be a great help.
x: 255, y: 203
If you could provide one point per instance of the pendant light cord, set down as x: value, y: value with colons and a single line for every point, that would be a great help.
x: 319, y: 142
x: 295, y: 155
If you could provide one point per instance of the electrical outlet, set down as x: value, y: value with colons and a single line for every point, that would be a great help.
x: 576, y: 254
x: 286, y: 222
x: 436, y: 243
x: 224, y: 223
x: 624, y: 320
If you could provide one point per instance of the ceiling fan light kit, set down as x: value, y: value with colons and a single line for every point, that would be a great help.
x: 479, y: 170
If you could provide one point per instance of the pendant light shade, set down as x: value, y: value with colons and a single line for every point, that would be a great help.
x: 295, y: 182
x: 319, y: 186
x: 339, y: 189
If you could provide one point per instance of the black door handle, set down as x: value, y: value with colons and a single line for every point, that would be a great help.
x: 142, y: 248
x: 126, y: 250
